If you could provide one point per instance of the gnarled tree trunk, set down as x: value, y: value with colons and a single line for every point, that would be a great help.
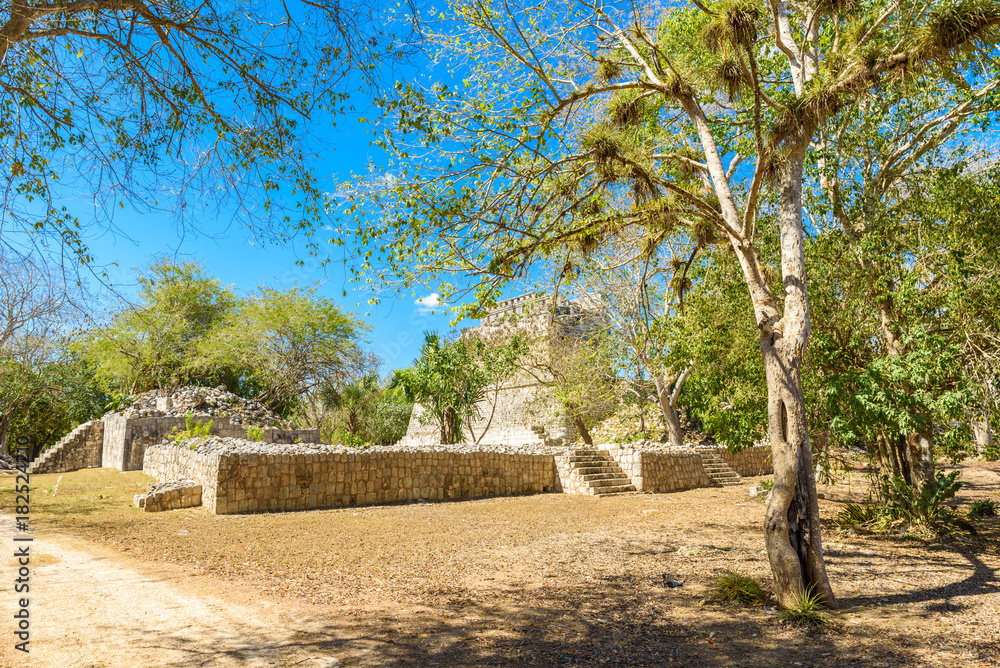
x: 791, y: 523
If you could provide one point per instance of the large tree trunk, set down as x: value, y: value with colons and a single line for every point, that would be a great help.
x: 791, y: 523
x: 670, y: 417
x: 578, y: 421
x: 4, y: 429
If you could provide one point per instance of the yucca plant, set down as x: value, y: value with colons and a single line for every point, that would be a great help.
x: 732, y: 586
x: 806, y: 610
x: 855, y: 515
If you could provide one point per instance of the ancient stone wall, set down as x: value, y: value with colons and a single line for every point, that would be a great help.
x: 659, y: 471
x: 79, y: 449
x: 256, y: 482
x: 167, y: 461
x: 750, y: 461
x: 300, y: 478
x: 127, y: 439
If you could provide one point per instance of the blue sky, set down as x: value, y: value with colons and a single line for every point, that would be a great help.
x: 232, y: 254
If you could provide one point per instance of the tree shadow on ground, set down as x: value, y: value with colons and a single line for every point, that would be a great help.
x: 604, y: 625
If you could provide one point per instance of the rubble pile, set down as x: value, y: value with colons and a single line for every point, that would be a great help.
x: 204, y: 401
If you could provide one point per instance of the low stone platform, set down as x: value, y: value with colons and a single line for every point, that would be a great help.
x: 240, y: 476
x: 170, y: 495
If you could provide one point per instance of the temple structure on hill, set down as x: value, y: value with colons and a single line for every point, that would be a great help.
x: 525, y: 411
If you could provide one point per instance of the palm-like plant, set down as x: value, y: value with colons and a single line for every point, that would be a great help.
x: 352, y: 399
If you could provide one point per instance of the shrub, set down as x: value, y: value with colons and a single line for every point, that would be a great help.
x: 255, y: 433
x: 806, y: 610
x: 734, y: 587
x: 984, y: 508
x: 193, y: 430
x: 905, y: 506
x: 856, y: 515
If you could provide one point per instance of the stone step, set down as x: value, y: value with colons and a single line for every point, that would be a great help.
x: 610, y: 482
x: 600, y: 476
x: 608, y: 491
x: 586, y: 458
x: 587, y: 470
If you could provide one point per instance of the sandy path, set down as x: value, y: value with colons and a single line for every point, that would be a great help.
x: 89, y: 611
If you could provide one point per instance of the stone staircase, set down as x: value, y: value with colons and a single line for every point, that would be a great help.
x: 592, y: 471
x: 717, y: 469
x: 67, y: 454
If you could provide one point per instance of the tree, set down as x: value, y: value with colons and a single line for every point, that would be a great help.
x: 616, y: 125
x: 45, y: 390
x: 640, y: 294
x: 273, y: 346
x: 366, y: 411
x: 579, y: 371
x: 353, y: 399
x: 445, y: 382
x: 289, y: 342
x: 172, y: 105
x: 155, y: 343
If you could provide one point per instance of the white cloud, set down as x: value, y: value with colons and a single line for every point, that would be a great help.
x: 429, y: 304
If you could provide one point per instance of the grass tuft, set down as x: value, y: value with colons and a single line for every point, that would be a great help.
x: 734, y: 587
x: 807, y: 610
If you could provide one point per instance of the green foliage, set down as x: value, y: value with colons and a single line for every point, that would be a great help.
x: 450, y: 378
x: 806, y: 610
x: 255, y: 433
x: 367, y: 412
x: 901, y: 508
x: 716, y: 329
x: 732, y: 586
x: 156, y: 341
x: 195, y: 111
x: 924, y: 509
x: 194, y: 431
x: 289, y: 342
x: 272, y: 346
x: 982, y: 508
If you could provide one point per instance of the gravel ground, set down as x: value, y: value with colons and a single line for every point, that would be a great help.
x: 548, y: 580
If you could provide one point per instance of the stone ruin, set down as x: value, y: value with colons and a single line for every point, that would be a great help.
x: 524, y: 451
x: 203, y: 402
x: 526, y: 412
x: 120, y: 439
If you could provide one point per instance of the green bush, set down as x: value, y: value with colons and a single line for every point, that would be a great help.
x: 901, y: 508
x: 734, y: 587
x: 906, y: 506
x: 856, y: 515
x: 255, y: 433
x: 193, y: 430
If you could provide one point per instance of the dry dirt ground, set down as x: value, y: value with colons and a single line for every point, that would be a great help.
x: 548, y: 580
